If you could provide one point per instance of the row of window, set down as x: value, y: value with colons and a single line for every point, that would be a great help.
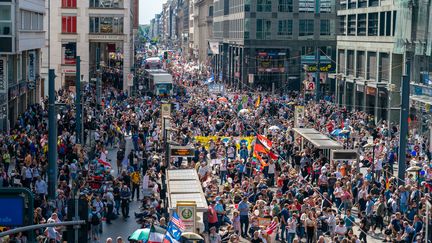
x: 352, y: 4
x: 304, y: 6
x: 370, y: 24
x: 285, y: 28
x: 94, y: 3
x: 31, y: 21
x: 102, y: 25
x: 6, y: 40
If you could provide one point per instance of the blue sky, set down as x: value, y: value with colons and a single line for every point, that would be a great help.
x: 148, y: 8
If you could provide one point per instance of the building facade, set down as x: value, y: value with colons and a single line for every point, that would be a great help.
x: 78, y: 28
x: 266, y: 43
x: 21, y: 39
x: 203, y: 22
x: 379, y: 41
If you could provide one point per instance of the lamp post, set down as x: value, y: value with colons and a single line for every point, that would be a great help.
x: 166, y: 144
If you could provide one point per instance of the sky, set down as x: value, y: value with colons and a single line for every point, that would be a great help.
x: 148, y: 9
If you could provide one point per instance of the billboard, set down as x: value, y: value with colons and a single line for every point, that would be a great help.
x: 12, y: 211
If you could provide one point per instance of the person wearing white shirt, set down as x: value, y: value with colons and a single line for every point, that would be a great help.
x: 51, y: 232
x: 340, y: 230
x: 41, y: 187
x: 271, y: 172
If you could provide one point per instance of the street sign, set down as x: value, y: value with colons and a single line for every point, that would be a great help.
x: 310, y: 86
x: 12, y: 211
x: 166, y: 110
x: 32, y: 66
x: 181, y: 151
x: 298, y: 115
x: 344, y: 155
x: 187, y: 213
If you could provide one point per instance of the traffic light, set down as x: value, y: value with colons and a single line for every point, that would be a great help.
x: 165, y: 55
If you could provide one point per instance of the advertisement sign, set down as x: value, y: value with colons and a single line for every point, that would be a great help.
x: 214, y: 47
x: 31, y: 66
x: 251, y: 78
x: 130, y: 78
x: 325, y: 68
x: 181, y: 151
x: 3, y: 80
x: 187, y: 213
x: 310, y: 86
x: 298, y: 115
x: 166, y: 110
x: 12, y: 211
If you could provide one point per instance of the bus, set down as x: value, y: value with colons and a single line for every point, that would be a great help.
x: 152, y: 63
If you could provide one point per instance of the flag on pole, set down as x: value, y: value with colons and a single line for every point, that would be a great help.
x: 156, y: 235
x: 263, y: 145
x: 260, y: 159
x: 175, y: 219
x: 267, y: 143
x: 175, y: 229
x: 258, y: 102
x: 271, y: 227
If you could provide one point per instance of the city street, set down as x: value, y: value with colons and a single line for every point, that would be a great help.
x: 261, y: 121
x: 121, y: 227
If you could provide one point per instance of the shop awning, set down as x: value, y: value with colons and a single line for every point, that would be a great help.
x: 422, y: 99
x: 317, y: 139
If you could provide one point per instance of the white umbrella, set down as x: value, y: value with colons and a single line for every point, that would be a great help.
x: 272, y: 128
x: 243, y: 111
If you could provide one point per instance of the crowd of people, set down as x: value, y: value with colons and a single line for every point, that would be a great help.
x: 288, y: 192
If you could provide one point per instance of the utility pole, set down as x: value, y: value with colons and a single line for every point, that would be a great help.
x: 98, y: 88
x: 317, y: 74
x: 52, y: 137
x: 78, y: 118
x: 405, y: 86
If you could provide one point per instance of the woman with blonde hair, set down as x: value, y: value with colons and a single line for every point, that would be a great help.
x: 272, y: 235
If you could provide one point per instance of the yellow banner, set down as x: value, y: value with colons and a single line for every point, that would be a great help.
x: 238, y: 140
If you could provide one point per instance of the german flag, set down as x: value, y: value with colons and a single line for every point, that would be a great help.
x: 260, y: 159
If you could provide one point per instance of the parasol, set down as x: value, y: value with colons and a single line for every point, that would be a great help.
x: 274, y: 128
x: 243, y: 111
x: 140, y: 234
x: 192, y: 236
x: 223, y: 99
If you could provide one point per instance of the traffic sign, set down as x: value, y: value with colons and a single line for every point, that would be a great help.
x: 310, y: 85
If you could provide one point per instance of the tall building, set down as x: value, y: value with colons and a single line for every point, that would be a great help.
x: 268, y: 43
x: 21, y: 39
x: 203, y: 29
x: 376, y: 39
x: 78, y: 28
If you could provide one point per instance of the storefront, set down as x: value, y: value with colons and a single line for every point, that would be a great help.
x: 271, y: 68
x: 421, y: 107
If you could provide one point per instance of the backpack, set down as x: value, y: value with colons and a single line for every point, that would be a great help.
x: 95, y: 220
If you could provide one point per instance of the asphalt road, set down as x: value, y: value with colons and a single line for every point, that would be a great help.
x: 120, y: 227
